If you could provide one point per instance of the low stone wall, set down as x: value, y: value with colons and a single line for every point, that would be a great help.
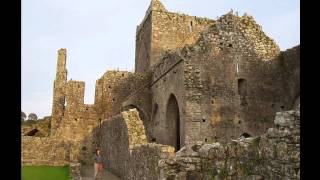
x: 44, y: 151
x: 143, y: 161
x: 51, y: 151
x: 42, y: 125
x: 274, y: 155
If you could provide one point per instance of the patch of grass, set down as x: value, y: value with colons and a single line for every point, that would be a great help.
x: 45, y: 173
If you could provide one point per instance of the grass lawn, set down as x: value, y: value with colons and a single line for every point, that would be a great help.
x: 45, y: 173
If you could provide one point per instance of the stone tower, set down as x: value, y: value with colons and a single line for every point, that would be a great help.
x: 162, y: 31
x: 144, y: 37
x: 59, y: 91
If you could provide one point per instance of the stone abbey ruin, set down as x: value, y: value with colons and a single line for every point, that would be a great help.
x: 209, y: 99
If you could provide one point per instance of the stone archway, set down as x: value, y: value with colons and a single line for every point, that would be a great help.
x: 172, y: 123
x: 144, y: 118
x: 142, y: 115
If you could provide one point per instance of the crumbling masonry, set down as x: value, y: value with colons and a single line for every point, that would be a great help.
x: 197, y: 82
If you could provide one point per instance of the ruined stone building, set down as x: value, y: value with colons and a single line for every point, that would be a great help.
x: 195, y: 80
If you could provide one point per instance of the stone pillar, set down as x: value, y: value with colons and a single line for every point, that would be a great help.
x: 75, y: 171
x: 59, y: 91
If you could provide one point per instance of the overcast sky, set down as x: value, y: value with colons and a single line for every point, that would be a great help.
x: 99, y: 35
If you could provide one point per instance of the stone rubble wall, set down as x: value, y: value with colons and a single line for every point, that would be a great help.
x: 136, y: 131
x: 232, y: 25
x: 143, y: 161
x: 125, y: 150
x: 113, y: 88
x: 75, y: 171
x: 234, y: 49
x: 44, y: 151
x: 214, y: 56
x: 119, y: 135
x: 274, y: 155
x: 43, y: 127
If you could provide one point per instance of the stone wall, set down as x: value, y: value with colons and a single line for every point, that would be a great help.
x: 125, y: 149
x: 168, y: 82
x: 196, y: 80
x: 143, y: 161
x: 231, y: 73
x: 289, y: 66
x: 143, y: 45
x: 44, y: 151
x: 161, y: 31
x: 118, y: 136
x: 172, y: 31
x: 274, y: 155
x: 39, y: 128
x: 113, y: 88
x: 78, y: 121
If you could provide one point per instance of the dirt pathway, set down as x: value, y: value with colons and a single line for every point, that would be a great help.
x: 87, y: 174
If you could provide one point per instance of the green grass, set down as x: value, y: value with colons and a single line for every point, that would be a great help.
x: 45, y: 173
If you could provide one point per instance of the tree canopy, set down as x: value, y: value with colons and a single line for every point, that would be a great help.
x: 23, y: 116
x: 32, y: 116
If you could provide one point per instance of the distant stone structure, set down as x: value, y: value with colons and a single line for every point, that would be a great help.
x: 195, y: 80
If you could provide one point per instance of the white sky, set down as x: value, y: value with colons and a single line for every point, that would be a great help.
x: 100, y: 35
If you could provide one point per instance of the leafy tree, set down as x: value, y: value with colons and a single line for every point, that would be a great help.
x: 32, y: 116
x: 23, y: 116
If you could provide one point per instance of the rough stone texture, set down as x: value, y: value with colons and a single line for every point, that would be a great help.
x: 44, y: 151
x: 230, y: 71
x: 162, y: 30
x: 120, y: 135
x: 289, y: 66
x: 125, y: 150
x: 59, y: 90
x: 143, y: 161
x: 228, y: 79
x: 41, y: 127
x: 218, y: 73
x: 75, y: 171
x: 168, y: 83
x: 274, y: 155
x: 195, y: 79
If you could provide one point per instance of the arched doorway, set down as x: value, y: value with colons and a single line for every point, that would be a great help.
x: 172, y: 123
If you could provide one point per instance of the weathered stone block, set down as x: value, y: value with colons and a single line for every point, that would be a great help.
x: 284, y: 118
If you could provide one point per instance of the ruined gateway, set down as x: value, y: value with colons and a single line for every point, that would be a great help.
x: 199, y: 84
